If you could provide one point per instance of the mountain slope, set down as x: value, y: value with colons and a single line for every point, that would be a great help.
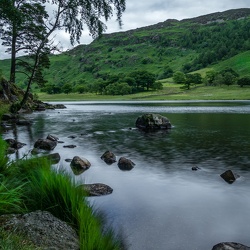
x: 185, y: 45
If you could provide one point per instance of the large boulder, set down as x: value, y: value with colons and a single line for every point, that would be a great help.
x: 152, y: 122
x: 230, y: 246
x: 43, y: 229
x: 96, y: 189
x: 45, y: 144
x: 229, y: 176
x: 79, y: 165
x: 108, y: 157
x: 125, y: 164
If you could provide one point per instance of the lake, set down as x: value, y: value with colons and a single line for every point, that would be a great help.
x: 161, y: 203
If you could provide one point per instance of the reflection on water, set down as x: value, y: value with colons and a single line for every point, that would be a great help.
x: 161, y: 203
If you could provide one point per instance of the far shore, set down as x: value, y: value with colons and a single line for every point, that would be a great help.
x: 170, y: 92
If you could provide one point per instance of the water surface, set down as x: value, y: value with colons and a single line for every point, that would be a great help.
x: 161, y: 203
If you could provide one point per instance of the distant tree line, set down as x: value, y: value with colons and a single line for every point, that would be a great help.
x: 139, y: 81
x: 109, y: 84
x: 226, y: 76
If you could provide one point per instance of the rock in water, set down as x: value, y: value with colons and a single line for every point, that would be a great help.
x: 230, y: 246
x: 152, y: 122
x: 125, y: 164
x: 96, y: 189
x: 108, y: 157
x: 229, y: 176
x: 79, y: 165
x: 45, y: 144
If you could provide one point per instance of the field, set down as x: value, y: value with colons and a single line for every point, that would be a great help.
x: 170, y: 92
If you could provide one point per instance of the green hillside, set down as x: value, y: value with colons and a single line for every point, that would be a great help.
x: 217, y: 41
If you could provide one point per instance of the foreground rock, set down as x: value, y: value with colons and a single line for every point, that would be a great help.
x: 52, y: 158
x: 43, y: 230
x: 230, y: 246
x: 14, y: 143
x: 109, y: 157
x: 79, y: 165
x: 229, y: 176
x: 45, y: 144
x: 125, y: 164
x: 52, y: 138
x: 152, y: 122
x: 96, y: 189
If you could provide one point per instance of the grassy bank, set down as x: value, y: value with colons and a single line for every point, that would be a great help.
x: 30, y: 185
x: 170, y: 92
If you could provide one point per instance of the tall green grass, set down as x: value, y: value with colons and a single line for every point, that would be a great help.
x: 59, y: 195
x: 4, y: 108
x: 30, y: 185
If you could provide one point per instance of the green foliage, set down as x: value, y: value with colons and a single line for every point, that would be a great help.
x: 67, y: 88
x: 167, y: 73
x: 143, y: 79
x: 27, y: 26
x: 179, y: 77
x: 60, y: 196
x: 29, y: 185
x: 51, y: 89
x: 178, y: 44
x: 4, y: 108
x: 244, y: 81
x: 226, y: 76
x: 157, y: 85
x: 118, y: 89
x: 12, y: 241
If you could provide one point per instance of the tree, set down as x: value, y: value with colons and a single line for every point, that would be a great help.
x: 67, y: 88
x: 21, y: 27
x: 118, y: 89
x: 244, y: 81
x: 210, y: 76
x: 157, y: 85
x: 70, y: 15
x: 229, y: 78
x: 143, y: 79
x: 179, y: 77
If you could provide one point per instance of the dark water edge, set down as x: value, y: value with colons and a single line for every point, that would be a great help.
x: 161, y: 203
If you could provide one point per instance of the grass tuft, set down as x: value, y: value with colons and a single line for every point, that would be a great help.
x: 30, y: 185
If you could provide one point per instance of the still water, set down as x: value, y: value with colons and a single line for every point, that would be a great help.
x: 161, y: 203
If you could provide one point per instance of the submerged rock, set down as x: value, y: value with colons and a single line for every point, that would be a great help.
x: 45, y: 144
x: 69, y: 146
x: 15, y: 144
x: 96, y: 189
x: 229, y: 176
x: 108, y: 157
x: 23, y: 123
x: 52, y: 137
x: 54, y: 158
x: 152, y: 122
x: 230, y: 246
x: 79, y: 165
x: 125, y: 164
x: 195, y: 168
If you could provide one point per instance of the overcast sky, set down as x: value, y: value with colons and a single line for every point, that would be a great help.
x: 148, y: 12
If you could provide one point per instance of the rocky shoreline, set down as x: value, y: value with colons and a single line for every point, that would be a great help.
x: 42, y: 228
